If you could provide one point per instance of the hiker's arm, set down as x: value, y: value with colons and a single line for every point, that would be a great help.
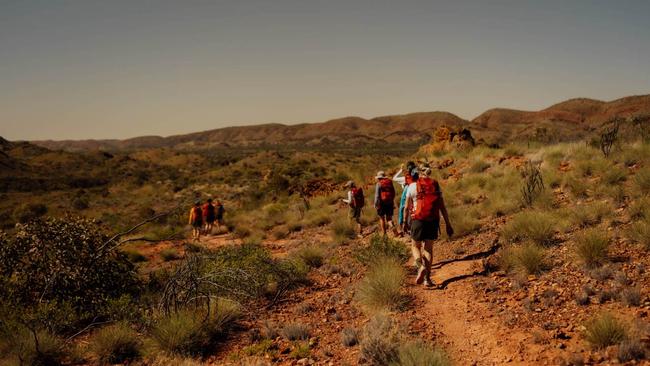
x: 445, y: 216
x: 191, y: 217
x: 376, y: 200
x: 398, y: 178
x: 349, y: 200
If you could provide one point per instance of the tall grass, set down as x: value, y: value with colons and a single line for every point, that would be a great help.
x: 381, y: 288
x: 591, y: 247
x: 342, y: 230
x: 536, y: 226
x: 529, y: 258
x: 605, y: 330
x: 116, y: 344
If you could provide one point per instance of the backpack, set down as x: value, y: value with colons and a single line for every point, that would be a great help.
x: 208, y: 210
x: 429, y: 200
x: 357, y: 198
x: 198, y: 214
x: 386, y: 191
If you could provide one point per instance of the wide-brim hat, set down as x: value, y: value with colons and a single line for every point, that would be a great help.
x: 349, y: 184
x: 381, y: 174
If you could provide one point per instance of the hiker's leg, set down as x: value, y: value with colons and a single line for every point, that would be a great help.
x: 416, y: 250
x: 382, y: 225
x: 428, y: 255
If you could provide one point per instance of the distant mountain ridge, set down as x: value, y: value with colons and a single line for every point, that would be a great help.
x: 571, y: 119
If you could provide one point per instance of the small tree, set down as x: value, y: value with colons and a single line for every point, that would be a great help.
x: 608, y: 137
x: 533, y: 183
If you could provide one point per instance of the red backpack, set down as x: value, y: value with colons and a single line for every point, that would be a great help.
x: 429, y: 200
x: 386, y: 191
x: 357, y: 198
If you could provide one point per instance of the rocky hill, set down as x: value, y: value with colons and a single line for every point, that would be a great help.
x: 569, y: 120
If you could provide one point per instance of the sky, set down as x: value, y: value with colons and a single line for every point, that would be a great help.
x: 124, y: 68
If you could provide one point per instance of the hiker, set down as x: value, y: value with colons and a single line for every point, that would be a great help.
x: 356, y: 201
x: 385, y: 202
x: 196, y: 220
x: 425, y: 204
x: 404, y: 180
x: 209, y: 215
x: 219, y: 216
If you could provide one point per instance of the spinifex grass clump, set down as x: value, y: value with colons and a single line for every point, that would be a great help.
x: 536, y: 226
x: 605, y: 330
x: 529, y: 258
x: 116, y: 344
x: 417, y: 353
x: 311, y: 254
x: 342, y: 230
x: 381, y: 247
x: 591, y: 247
x: 382, y: 286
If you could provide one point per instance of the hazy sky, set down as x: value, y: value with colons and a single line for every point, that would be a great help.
x: 117, y: 69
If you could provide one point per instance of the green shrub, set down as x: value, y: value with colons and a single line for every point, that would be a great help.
x: 419, y: 354
x: 642, y: 180
x: 605, y: 330
x: 169, y: 254
x: 380, y: 342
x: 301, y: 350
x: 529, y: 258
x: 116, y: 343
x: 342, y: 230
x: 280, y: 232
x: 587, y: 215
x: 640, y: 232
x: 382, y: 285
x: 640, y: 209
x: 61, y: 271
x: 614, y: 176
x: 135, y: 256
x: 193, y: 332
x: 21, y: 347
x: 295, y: 332
x: 310, y: 254
x: 479, y: 166
x: 381, y: 247
x: 463, y: 223
x: 631, y: 349
x: 536, y: 226
x: 577, y: 186
x: 631, y: 296
x: 591, y: 247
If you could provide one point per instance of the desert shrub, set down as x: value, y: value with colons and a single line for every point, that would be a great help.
x: 167, y: 360
x: 269, y: 330
x: 280, y: 232
x: 533, y: 184
x: 21, y: 346
x: 419, y: 354
x: 463, y: 223
x: 295, y: 332
x: 29, y: 211
x: 317, y: 217
x: 591, y: 247
x: 605, y: 330
x: 582, y: 298
x: 342, y: 230
x: 194, y: 332
x: 640, y: 232
x: 193, y: 247
x: 631, y: 349
x: 380, y: 342
x: 300, y: 350
x: 382, y: 285
x: 602, y: 273
x: 587, y: 215
x: 529, y: 258
x: 80, y: 203
x: 640, y: 209
x: 614, y: 175
x: 479, y: 166
x: 577, y: 186
x: 61, y: 272
x: 642, y: 181
x: 169, y: 254
x: 260, y: 348
x: 116, y: 343
x: 135, y: 256
x: 536, y: 226
x: 310, y: 254
x: 631, y: 296
x: 349, y: 337
x: 382, y: 247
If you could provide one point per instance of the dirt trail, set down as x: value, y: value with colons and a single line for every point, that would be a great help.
x: 469, y: 329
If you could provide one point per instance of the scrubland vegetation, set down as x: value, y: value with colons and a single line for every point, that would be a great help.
x: 562, y: 214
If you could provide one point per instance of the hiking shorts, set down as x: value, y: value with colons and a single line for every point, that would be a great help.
x: 424, y: 230
x: 197, y: 224
x: 385, y: 210
x: 355, y: 214
x: 209, y: 219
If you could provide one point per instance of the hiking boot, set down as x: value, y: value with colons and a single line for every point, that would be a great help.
x: 421, y: 275
x: 428, y: 282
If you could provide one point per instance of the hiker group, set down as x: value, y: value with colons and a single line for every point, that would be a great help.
x: 420, y: 207
x: 202, y: 218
